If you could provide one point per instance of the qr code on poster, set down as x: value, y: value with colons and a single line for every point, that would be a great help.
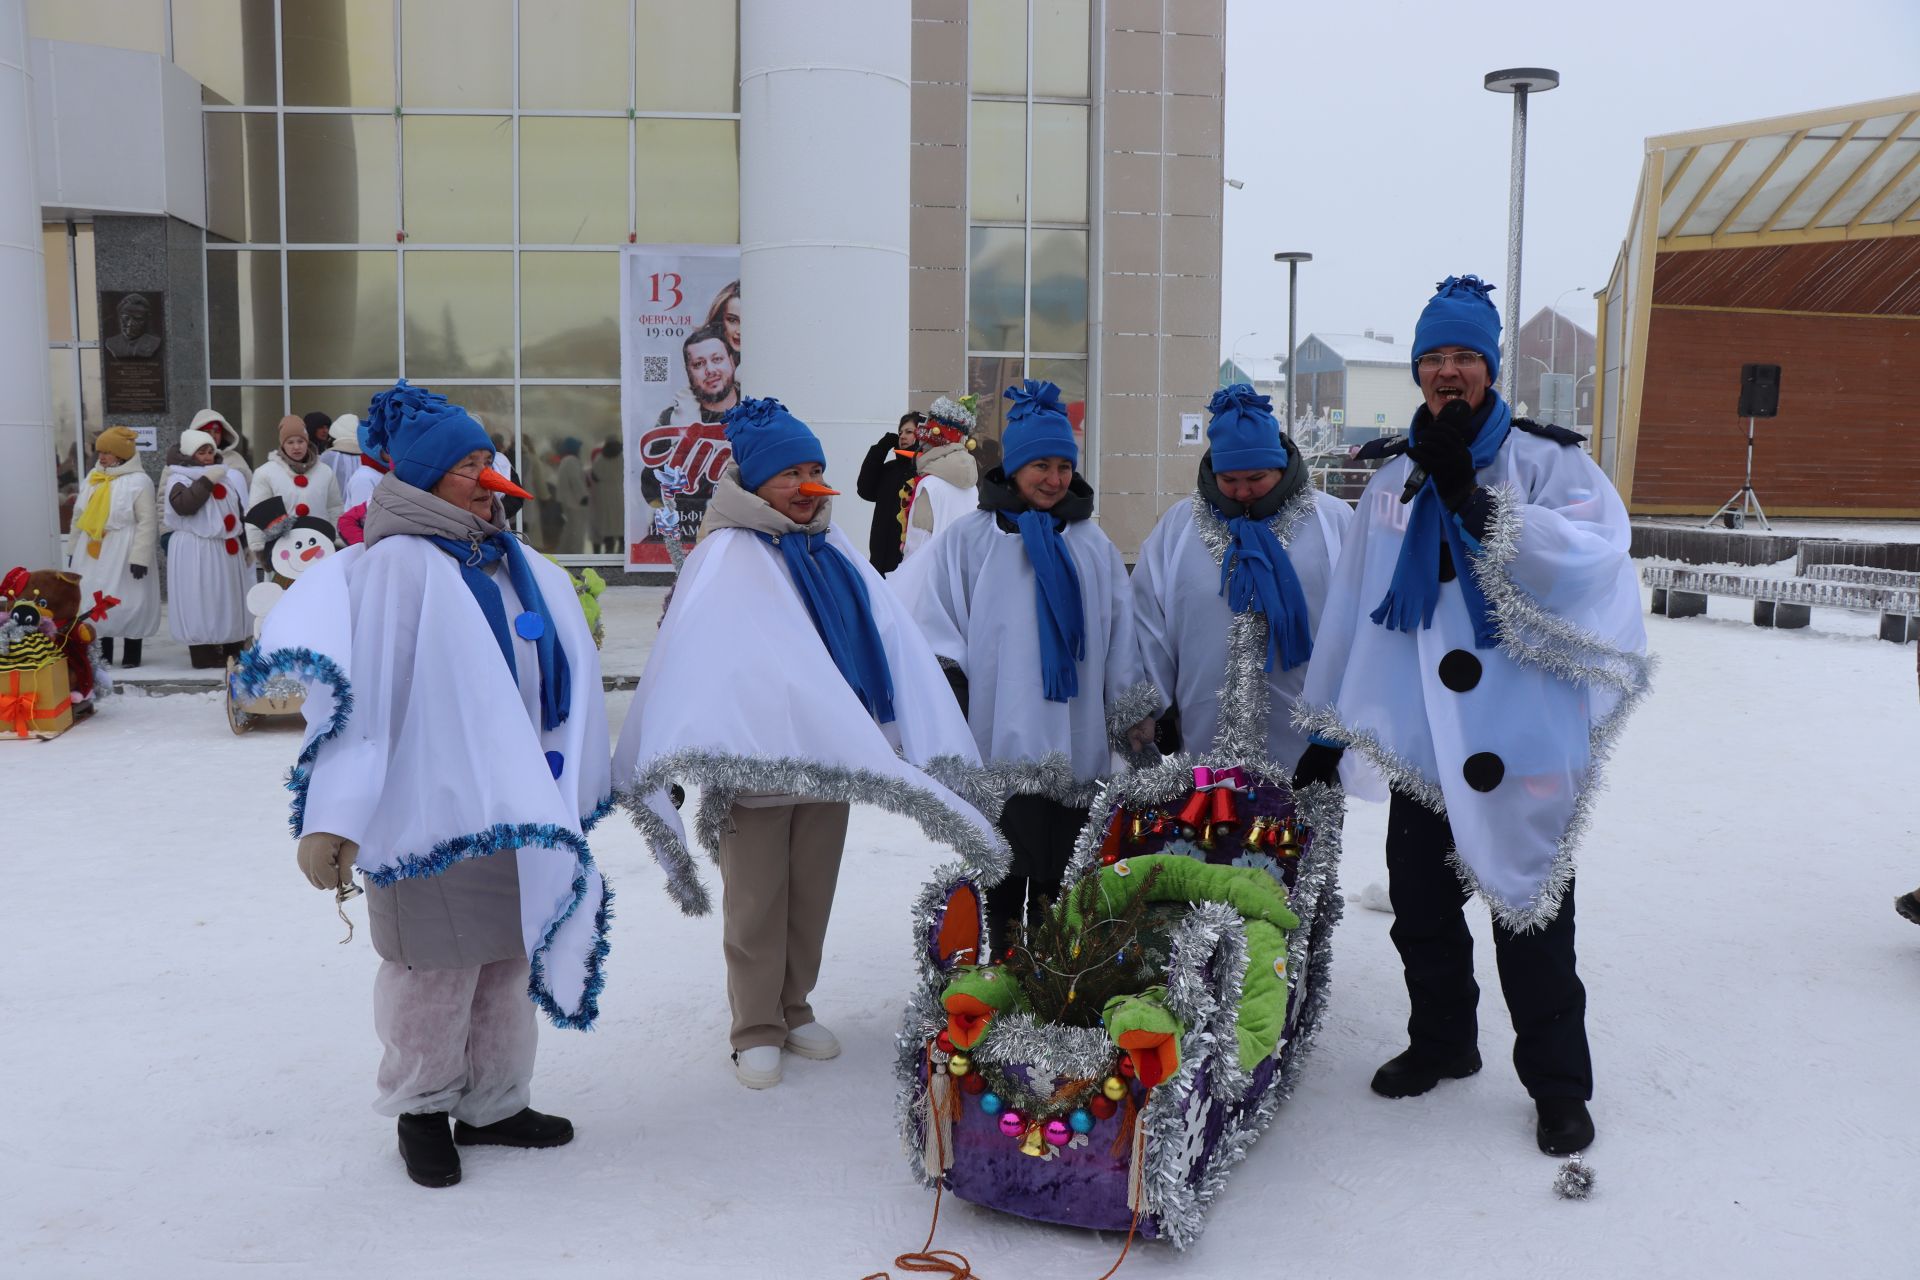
x: 653, y: 369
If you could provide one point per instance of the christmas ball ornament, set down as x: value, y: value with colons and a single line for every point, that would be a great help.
x: 989, y: 1102
x: 959, y: 1064
x: 1012, y: 1123
x: 943, y: 1042
x: 1081, y: 1121
x: 973, y: 1082
x: 1057, y: 1132
x: 1126, y: 1068
x: 1102, y: 1107
x: 1115, y: 1088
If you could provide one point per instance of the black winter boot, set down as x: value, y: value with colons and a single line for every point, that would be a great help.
x: 106, y: 650
x: 426, y: 1145
x: 1414, y: 1071
x: 526, y: 1128
x: 1564, y: 1127
x: 130, y: 653
x: 1908, y: 905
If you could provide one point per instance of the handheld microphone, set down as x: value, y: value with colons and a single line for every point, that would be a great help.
x: 1452, y: 411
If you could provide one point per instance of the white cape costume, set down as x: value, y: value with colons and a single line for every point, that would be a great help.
x: 1189, y: 634
x: 422, y: 749
x: 741, y: 695
x: 1507, y: 742
x: 207, y: 570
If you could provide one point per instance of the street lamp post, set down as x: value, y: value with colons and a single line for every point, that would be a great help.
x: 1520, y: 82
x: 1233, y: 355
x: 1293, y: 259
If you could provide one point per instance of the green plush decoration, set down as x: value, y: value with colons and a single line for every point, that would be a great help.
x: 974, y: 997
x: 1262, y: 904
x: 1146, y: 1029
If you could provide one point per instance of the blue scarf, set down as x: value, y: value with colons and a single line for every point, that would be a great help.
x: 1256, y: 572
x: 1056, y: 597
x: 1415, y: 589
x: 842, y: 613
x: 556, y: 678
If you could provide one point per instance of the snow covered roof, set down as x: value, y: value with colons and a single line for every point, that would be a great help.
x: 1350, y: 348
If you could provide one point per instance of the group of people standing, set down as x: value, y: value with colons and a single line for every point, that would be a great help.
x: 1470, y: 634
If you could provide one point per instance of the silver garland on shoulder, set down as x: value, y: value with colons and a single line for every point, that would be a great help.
x: 1130, y: 708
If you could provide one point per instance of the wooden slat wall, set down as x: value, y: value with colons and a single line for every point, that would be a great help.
x: 1848, y: 434
x: 1875, y: 277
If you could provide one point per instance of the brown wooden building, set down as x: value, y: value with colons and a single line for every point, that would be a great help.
x: 1793, y: 241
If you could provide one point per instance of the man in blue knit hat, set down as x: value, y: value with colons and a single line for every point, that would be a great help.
x: 1482, y: 645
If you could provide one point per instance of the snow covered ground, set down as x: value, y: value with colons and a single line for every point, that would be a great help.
x: 186, y: 1054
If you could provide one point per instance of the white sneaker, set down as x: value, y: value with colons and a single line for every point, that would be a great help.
x: 758, y: 1067
x: 813, y: 1041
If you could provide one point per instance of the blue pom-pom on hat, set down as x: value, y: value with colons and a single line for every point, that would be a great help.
x: 1459, y: 315
x: 1244, y: 435
x: 767, y: 439
x: 421, y: 433
x: 1037, y: 427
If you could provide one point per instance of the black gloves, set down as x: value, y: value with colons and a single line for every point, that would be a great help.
x: 139, y: 571
x: 1318, y: 763
x: 1445, y: 449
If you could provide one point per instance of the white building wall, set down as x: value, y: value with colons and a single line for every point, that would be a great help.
x: 1381, y: 389
x: 29, y: 518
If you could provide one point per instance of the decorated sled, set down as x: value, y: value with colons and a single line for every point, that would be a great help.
x: 1111, y: 1067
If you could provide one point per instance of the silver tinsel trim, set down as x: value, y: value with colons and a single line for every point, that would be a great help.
x: 1138, y: 703
x: 924, y: 1016
x: 713, y: 771
x: 1401, y: 774
x: 1070, y: 1053
x: 1214, y: 534
x: 954, y: 414
x: 1574, y: 1181
x: 992, y: 785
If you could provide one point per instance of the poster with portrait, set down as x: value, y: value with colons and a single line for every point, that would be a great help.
x: 680, y: 373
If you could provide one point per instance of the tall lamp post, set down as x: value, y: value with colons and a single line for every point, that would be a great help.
x: 1293, y: 259
x: 1520, y: 82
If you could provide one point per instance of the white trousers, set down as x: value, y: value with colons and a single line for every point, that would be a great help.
x: 457, y: 1040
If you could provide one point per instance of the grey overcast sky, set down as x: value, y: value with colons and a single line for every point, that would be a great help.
x: 1364, y: 137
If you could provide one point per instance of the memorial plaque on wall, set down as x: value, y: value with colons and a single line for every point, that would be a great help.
x: 133, y: 355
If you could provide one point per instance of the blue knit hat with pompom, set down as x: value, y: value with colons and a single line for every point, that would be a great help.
x: 767, y: 439
x: 1459, y: 315
x: 1037, y: 427
x: 1244, y: 435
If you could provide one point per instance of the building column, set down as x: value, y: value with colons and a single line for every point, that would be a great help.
x: 29, y: 512
x: 825, y: 108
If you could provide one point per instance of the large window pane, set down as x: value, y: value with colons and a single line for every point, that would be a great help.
x: 340, y: 180
x: 996, y: 289
x: 687, y: 181
x: 85, y: 282
x: 997, y: 32
x: 997, y: 162
x: 459, y: 179
x: 569, y: 315
x: 574, y: 58
x: 561, y: 430
x: 340, y: 314
x: 459, y: 315
x: 227, y: 45
x: 1059, y: 163
x: 59, y: 272
x: 1060, y: 45
x: 1059, y: 290
x: 70, y: 457
x: 255, y: 413
x: 338, y: 53
x: 243, y: 176
x: 459, y: 53
x: 573, y: 181
x: 686, y: 56
x: 243, y: 313
x: 1071, y: 377
x: 987, y: 378
x: 334, y: 401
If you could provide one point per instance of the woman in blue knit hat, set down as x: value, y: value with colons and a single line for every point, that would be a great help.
x: 1251, y: 551
x: 1482, y: 645
x: 456, y: 754
x: 1028, y: 600
x: 787, y: 684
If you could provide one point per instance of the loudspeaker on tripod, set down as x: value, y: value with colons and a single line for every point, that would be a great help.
x: 1759, y: 390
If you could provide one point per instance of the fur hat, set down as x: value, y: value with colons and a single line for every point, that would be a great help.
x: 193, y: 440
x: 118, y: 441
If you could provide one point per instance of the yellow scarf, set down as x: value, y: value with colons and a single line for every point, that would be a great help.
x: 93, y: 521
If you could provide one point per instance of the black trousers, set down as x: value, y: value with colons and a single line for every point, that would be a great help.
x: 1040, y: 832
x: 1537, y: 975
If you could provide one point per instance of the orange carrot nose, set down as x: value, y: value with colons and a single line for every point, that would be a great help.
x: 813, y: 489
x: 495, y: 482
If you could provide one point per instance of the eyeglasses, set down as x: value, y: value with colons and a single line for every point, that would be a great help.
x: 1462, y: 360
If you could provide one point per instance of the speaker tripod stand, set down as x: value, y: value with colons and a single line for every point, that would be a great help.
x: 1744, y: 502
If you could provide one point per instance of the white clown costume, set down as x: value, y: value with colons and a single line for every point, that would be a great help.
x: 1508, y: 743
x: 127, y: 536
x: 947, y: 479
x: 207, y: 570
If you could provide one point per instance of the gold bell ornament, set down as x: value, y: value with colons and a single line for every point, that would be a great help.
x: 1035, y: 1143
x: 1257, y: 833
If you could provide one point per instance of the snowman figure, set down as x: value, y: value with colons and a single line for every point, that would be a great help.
x: 295, y: 544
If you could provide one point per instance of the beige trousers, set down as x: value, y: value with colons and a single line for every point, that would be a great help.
x: 778, y: 867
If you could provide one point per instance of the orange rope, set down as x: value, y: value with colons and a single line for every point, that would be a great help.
x: 928, y: 1260
x: 1108, y: 1273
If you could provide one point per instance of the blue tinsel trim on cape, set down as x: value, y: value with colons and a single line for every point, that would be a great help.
x: 253, y: 670
x: 600, y: 811
x: 517, y: 835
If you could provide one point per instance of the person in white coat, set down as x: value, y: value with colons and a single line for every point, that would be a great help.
x: 226, y: 439
x: 456, y: 755
x: 207, y: 574
x: 946, y: 482
x: 1247, y: 558
x: 1482, y: 644
x: 787, y: 684
x: 342, y: 454
x: 1028, y: 601
x: 294, y: 474
x: 114, y: 545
